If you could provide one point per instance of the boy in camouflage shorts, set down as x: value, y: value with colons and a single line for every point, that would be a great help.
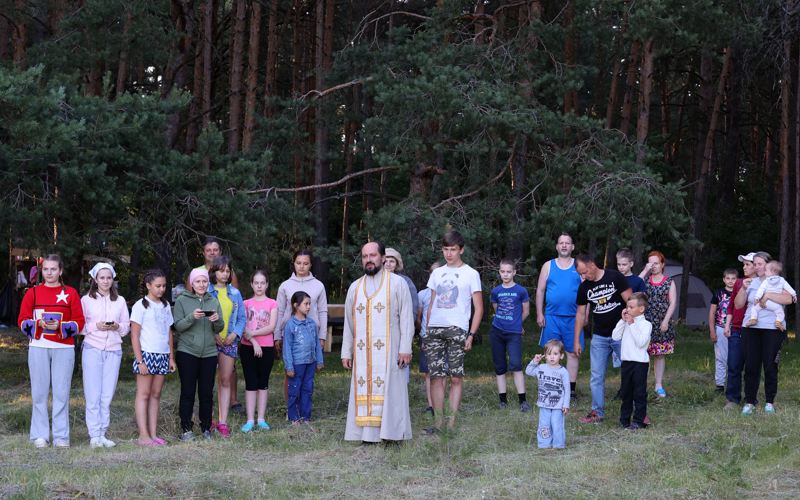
x: 455, y: 290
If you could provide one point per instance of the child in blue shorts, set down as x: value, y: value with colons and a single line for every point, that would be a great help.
x: 511, y: 306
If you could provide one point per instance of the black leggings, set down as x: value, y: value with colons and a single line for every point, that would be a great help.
x: 196, y: 374
x: 256, y: 370
x: 761, y: 349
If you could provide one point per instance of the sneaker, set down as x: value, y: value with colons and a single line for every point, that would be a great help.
x: 95, y: 442
x: 730, y: 405
x: 157, y: 440
x: 430, y: 410
x: 431, y: 430
x: 660, y: 392
x: 60, y: 443
x: 40, y: 443
x: 187, y: 436
x: 247, y: 427
x: 524, y: 407
x: 768, y: 408
x: 635, y: 426
x: 646, y: 420
x: 223, y: 430
x: 591, y: 418
x: 748, y: 409
x: 207, y: 435
x: 107, y: 443
x: 263, y: 425
x: 503, y: 405
x: 237, y: 408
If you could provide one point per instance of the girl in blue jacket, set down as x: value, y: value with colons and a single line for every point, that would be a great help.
x: 302, y: 357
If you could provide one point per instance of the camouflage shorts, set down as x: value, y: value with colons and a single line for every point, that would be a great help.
x: 444, y: 348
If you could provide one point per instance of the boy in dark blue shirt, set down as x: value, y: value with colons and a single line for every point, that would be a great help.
x: 625, y: 263
x: 511, y: 305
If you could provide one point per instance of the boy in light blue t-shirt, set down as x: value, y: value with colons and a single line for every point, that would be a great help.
x: 511, y: 305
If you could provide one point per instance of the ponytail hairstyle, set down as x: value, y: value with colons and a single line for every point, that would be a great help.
x: 112, y: 293
x: 54, y: 257
x: 302, y: 251
x: 297, y: 299
x: 262, y: 273
x: 149, y: 276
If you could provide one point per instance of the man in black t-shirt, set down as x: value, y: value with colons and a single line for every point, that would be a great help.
x: 606, y: 292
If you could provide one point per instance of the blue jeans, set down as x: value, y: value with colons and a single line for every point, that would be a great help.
x: 600, y: 351
x: 550, y: 433
x: 733, y: 389
x: 503, y: 341
x: 301, y: 387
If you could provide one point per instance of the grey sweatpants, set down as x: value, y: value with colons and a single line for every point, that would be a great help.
x: 50, y: 366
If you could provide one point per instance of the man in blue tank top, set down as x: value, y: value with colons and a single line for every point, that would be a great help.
x: 558, y: 288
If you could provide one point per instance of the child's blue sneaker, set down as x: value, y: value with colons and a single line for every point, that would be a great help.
x: 263, y: 425
x: 768, y: 408
x: 748, y: 409
x: 660, y: 392
x: 247, y: 427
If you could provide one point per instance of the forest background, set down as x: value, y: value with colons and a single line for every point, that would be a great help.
x: 135, y: 128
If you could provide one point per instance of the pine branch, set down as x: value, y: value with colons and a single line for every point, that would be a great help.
x: 326, y: 185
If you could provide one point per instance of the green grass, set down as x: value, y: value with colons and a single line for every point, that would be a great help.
x: 693, y: 448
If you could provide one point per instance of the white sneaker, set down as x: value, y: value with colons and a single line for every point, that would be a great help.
x: 96, y: 442
x: 107, y: 443
x: 60, y: 443
x: 40, y: 443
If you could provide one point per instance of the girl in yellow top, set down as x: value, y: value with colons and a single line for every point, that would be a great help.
x: 233, y: 314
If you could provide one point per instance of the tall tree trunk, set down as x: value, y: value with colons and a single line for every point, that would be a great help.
x: 208, y: 58
x: 699, y: 207
x: 122, y: 66
x: 350, y: 129
x: 320, y: 142
x: 570, y: 57
x: 176, y: 75
x: 630, y: 83
x: 730, y: 171
x: 665, y: 110
x: 19, y: 33
x: 786, y: 96
x: 252, y: 76
x: 237, y: 63
x: 646, y: 79
x: 796, y: 261
x: 196, y: 106
x: 270, y: 81
x: 5, y: 36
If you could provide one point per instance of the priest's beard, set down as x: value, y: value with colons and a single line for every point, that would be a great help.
x: 374, y: 270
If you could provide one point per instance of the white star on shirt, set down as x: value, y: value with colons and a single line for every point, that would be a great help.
x: 61, y: 296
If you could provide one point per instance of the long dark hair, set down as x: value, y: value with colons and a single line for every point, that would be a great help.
x: 302, y: 251
x: 220, y: 262
x: 112, y: 293
x: 297, y: 299
x: 149, y: 276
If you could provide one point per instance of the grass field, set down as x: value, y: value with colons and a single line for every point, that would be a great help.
x: 693, y: 449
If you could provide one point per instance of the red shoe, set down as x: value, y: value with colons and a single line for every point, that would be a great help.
x: 223, y: 430
x: 591, y: 418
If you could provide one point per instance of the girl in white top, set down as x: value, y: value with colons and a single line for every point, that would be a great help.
x: 107, y: 321
x: 151, y: 336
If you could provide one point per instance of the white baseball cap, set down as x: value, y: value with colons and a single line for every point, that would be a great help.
x: 748, y: 257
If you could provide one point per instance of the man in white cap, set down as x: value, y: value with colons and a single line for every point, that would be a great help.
x: 733, y: 331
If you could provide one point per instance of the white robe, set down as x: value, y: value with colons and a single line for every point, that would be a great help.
x: 394, y: 421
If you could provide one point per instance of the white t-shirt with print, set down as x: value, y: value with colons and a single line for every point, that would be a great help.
x: 454, y: 287
x: 155, y: 322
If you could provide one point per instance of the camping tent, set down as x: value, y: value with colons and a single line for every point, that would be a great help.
x: 699, y: 298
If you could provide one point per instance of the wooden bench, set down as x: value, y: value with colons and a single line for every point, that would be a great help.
x: 335, y: 324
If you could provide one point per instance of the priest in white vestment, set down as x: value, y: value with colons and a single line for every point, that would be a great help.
x: 376, y: 345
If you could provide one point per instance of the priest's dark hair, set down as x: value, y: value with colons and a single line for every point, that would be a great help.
x: 381, y: 247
